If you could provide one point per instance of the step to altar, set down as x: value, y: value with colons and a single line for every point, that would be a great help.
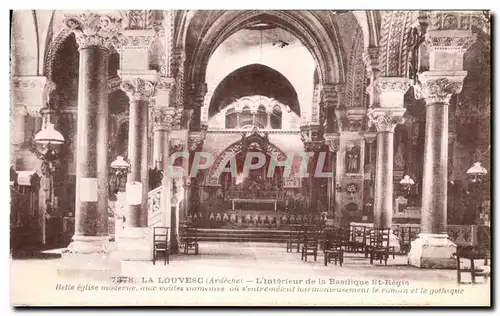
x: 243, y: 235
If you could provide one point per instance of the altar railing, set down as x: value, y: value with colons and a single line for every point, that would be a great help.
x: 253, y: 219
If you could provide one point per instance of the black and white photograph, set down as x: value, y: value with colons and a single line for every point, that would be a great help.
x: 250, y: 157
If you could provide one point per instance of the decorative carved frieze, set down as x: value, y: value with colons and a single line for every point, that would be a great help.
x: 332, y: 141
x: 329, y: 96
x: 434, y: 86
x: 392, y: 84
x: 370, y: 58
x: 136, y: 40
x: 394, y: 36
x: 92, y: 29
x: 356, y: 74
x: 386, y: 119
x: 458, y: 20
x: 456, y: 41
x: 140, y: 19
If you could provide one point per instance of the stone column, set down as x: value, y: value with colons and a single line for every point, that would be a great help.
x: 333, y: 143
x: 433, y: 249
x: 95, y: 35
x: 164, y: 120
x: 140, y: 85
x: 134, y: 242
x: 313, y: 148
x: 386, y: 116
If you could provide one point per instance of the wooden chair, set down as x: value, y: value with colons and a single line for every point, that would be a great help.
x: 332, y: 248
x: 189, y: 239
x: 357, y: 242
x: 294, y: 235
x: 310, y: 244
x: 379, y: 244
x: 161, y: 244
x: 473, y: 253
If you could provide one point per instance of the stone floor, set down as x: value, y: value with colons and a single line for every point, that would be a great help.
x: 238, y: 274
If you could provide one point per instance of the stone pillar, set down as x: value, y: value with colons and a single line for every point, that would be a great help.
x: 164, y: 120
x: 386, y: 116
x: 95, y: 35
x: 333, y: 143
x: 433, y: 249
x: 140, y: 84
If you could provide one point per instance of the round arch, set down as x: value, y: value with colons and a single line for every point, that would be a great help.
x: 212, y: 177
x: 302, y: 24
x: 240, y: 84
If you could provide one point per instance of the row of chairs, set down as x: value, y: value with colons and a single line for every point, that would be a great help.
x: 161, y: 244
x: 334, y: 241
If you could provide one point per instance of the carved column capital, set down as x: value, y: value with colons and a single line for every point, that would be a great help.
x: 332, y: 141
x: 386, y: 119
x: 355, y: 118
x: 114, y: 84
x: 314, y: 146
x: 92, y: 29
x: 196, y: 140
x: 165, y: 118
x: 391, y: 91
x: 176, y: 145
x: 434, y: 86
x: 139, y: 89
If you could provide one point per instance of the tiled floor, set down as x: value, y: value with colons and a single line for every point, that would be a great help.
x: 248, y: 262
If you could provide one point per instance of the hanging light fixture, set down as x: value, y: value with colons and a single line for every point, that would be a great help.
x: 477, y: 171
x: 120, y: 164
x: 48, y: 134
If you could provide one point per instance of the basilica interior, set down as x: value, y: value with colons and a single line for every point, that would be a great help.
x: 396, y: 104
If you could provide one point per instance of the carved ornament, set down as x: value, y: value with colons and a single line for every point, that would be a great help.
x: 332, y: 141
x: 92, y: 29
x: 386, y: 119
x: 438, y: 87
x: 138, y: 89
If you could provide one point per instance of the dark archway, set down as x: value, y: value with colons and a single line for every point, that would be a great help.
x: 254, y: 79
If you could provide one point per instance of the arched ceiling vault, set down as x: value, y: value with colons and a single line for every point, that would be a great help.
x: 215, y: 26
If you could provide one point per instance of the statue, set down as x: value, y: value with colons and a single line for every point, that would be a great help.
x: 353, y: 159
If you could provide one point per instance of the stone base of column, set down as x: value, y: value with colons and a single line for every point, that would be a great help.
x: 89, y: 245
x: 432, y: 251
x: 87, y: 257
x: 134, y: 244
